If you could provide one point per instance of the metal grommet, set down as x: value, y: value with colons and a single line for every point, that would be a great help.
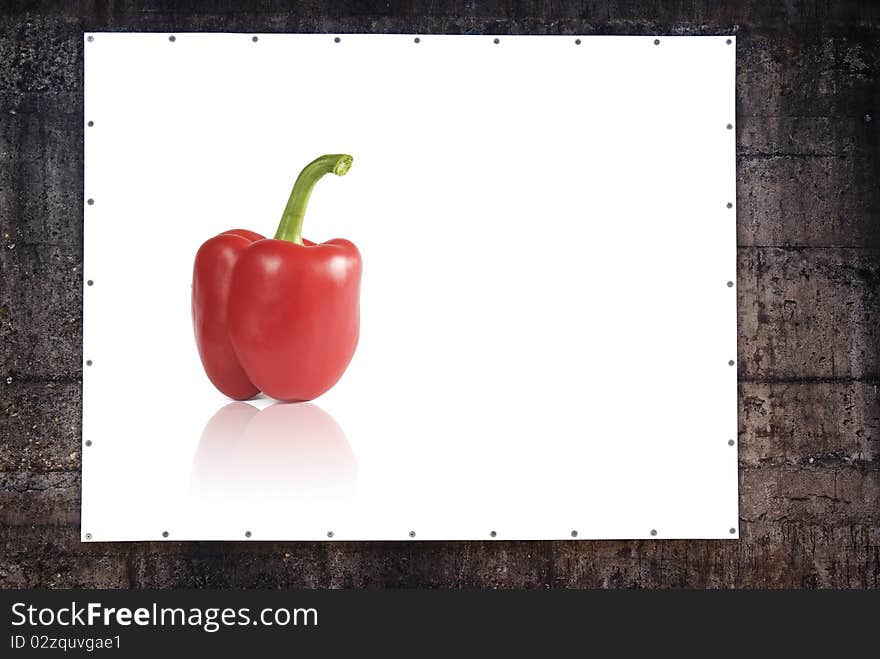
x: 247, y: 534
x: 88, y: 536
x: 729, y: 41
x: 90, y: 124
x: 574, y: 534
x: 90, y: 38
x: 90, y: 202
x: 656, y: 42
x: 492, y: 534
x: 729, y: 126
x: 412, y: 534
x: 729, y: 204
x: 730, y: 284
x: 329, y: 534
x: 88, y: 442
x: 90, y: 283
x: 164, y: 534
x: 497, y: 40
x: 255, y: 38
x: 732, y: 531
x: 88, y: 362
x: 337, y: 40
x: 730, y: 362
x: 577, y: 42
x: 417, y: 40
x: 172, y: 38
x: 730, y: 442
x: 653, y: 532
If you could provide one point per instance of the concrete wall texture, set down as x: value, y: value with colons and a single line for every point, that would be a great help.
x: 808, y: 206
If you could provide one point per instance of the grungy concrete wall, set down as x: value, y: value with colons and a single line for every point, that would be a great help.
x: 808, y: 204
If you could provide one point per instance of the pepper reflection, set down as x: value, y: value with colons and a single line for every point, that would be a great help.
x: 287, y: 450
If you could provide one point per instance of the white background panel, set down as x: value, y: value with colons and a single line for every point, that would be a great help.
x: 546, y: 321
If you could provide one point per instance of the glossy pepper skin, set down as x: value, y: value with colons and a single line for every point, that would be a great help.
x: 280, y: 316
x: 212, y: 273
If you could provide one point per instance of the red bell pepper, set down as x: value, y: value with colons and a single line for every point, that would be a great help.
x: 280, y: 316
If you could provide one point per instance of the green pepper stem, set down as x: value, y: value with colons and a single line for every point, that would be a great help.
x: 291, y: 224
